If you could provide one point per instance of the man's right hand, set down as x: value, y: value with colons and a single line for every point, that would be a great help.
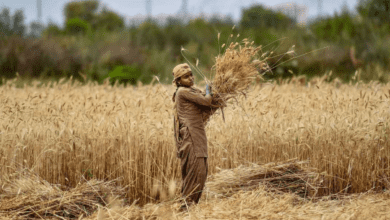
x: 208, y: 89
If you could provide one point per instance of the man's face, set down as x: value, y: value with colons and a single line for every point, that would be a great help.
x: 187, y: 79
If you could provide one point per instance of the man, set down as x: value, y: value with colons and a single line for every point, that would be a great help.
x: 191, y: 109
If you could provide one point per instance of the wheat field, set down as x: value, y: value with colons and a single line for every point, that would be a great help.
x: 68, y: 134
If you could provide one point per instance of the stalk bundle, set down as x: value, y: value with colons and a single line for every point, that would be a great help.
x: 235, y: 70
x: 290, y: 176
x: 31, y: 197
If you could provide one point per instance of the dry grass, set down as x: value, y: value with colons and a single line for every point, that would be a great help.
x: 27, y: 196
x: 259, y: 204
x: 68, y: 134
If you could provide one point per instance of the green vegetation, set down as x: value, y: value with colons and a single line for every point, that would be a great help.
x: 95, y: 43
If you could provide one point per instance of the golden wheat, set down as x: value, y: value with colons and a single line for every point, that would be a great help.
x: 235, y: 70
x: 67, y: 134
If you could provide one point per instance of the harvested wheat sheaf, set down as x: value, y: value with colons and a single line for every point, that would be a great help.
x: 235, y: 70
x: 290, y: 176
x: 28, y: 196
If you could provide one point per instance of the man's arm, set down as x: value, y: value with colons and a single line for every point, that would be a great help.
x: 195, y: 97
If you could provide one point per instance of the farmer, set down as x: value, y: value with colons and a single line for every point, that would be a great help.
x: 191, y: 108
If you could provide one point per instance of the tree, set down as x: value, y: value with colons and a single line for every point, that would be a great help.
x: 5, y: 22
x: 201, y: 31
x: 221, y: 21
x: 18, y: 26
x: 14, y: 24
x: 77, y: 26
x: 150, y: 35
x: 259, y: 17
x: 176, y: 34
x: 52, y: 30
x: 376, y: 10
x: 340, y: 28
x: 109, y: 20
x: 36, y: 29
x: 85, y: 10
x: 88, y: 11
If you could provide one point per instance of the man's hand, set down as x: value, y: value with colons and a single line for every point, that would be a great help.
x: 208, y: 90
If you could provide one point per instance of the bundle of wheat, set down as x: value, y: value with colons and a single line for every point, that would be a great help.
x: 29, y: 196
x: 290, y: 176
x: 235, y: 70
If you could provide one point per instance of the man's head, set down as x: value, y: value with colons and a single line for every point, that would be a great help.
x: 182, y: 75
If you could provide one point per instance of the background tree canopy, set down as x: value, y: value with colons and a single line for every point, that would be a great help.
x: 376, y: 10
x: 90, y: 12
x: 259, y: 17
x: 12, y: 24
x: 95, y: 41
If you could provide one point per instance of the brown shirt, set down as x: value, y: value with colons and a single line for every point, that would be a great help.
x: 193, y: 109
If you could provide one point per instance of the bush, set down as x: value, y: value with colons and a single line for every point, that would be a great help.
x: 52, y: 30
x: 36, y: 58
x: 77, y: 26
x: 150, y: 35
x: 258, y: 16
x: 109, y: 21
x: 125, y: 74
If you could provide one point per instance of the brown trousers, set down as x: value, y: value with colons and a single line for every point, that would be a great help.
x: 194, y: 174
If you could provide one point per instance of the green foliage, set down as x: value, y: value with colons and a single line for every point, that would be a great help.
x: 5, y: 22
x: 219, y: 22
x: 96, y: 44
x: 84, y: 10
x: 77, y: 26
x: 109, y: 20
x: 175, y: 34
x: 366, y: 34
x: 125, y: 74
x: 258, y: 17
x: 376, y: 10
x: 339, y: 28
x: 36, y: 29
x: 87, y: 11
x: 18, y: 26
x: 150, y: 35
x: 52, y: 30
x: 12, y: 25
x: 201, y: 31
x: 45, y: 58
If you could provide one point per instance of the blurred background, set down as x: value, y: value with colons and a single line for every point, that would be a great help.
x: 131, y: 41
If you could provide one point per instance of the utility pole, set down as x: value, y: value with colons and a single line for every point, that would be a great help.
x: 184, y: 7
x: 183, y: 10
x: 319, y: 8
x: 149, y: 8
x: 39, y: 7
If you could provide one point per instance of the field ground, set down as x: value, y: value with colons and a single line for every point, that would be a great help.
x: 259, y: 204
x: 67, y: 151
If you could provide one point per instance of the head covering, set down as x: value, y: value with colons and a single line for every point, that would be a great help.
x: 180, y: 70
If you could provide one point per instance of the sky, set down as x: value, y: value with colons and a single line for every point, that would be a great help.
x: 52, y: 10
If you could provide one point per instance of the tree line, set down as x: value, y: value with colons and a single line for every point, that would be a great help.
x: 95, y: 41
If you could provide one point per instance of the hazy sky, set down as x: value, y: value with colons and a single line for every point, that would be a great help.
x: 52, y: 9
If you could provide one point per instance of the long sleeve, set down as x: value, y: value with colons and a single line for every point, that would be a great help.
x: 195, y: 97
